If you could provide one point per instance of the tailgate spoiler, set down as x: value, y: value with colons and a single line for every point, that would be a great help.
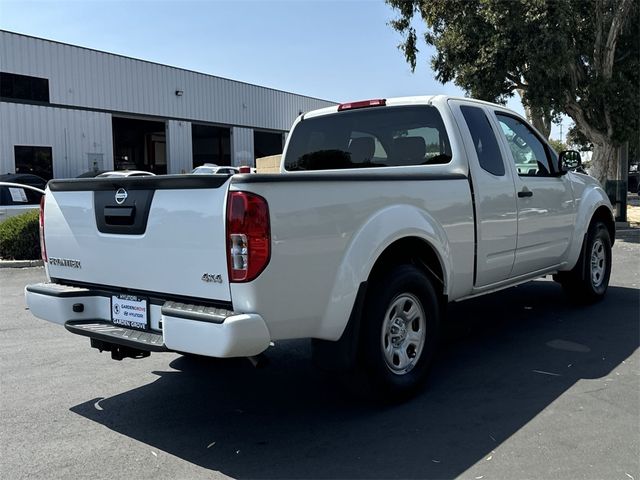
x: 158, y: 182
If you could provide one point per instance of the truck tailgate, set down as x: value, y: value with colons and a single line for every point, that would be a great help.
x: 163, y: 234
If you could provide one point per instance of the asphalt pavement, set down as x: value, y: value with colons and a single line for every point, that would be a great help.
x: 526, y: 385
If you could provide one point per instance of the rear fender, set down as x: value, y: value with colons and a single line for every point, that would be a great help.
x: 381, y: 230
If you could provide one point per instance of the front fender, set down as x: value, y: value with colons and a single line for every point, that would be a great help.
x: 382, y: 229
x: 589, y: 197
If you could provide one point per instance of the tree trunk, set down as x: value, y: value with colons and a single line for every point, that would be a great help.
x: 537, y: 116
x: 540, y: 121
x: 604, y: 162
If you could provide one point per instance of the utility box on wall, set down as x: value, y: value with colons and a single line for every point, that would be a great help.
x: 95, y: 162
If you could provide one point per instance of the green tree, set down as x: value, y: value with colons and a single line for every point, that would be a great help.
x: 575, y: 57
x: 557, y: 145
x: 576, y: 138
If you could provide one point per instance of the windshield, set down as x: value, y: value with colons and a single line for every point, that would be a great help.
x: 371, y: 137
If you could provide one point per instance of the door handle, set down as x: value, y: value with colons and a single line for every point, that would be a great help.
x: 525, y: 192
x: 119, y: 215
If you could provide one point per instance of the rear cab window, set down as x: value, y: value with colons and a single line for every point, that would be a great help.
x: 369, y: 138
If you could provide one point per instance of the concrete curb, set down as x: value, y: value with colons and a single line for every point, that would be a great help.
x: 20, y: 263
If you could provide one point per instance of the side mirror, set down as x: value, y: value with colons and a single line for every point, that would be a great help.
x: 569, y: 160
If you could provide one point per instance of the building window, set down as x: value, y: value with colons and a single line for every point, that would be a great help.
x: 267, y: 143
x: 23, y: 87
x: 34, y: 160
x: 210, y: 145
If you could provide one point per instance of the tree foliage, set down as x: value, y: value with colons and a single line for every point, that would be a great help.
x: 558, y: 145
x: 577, y: 57
x: 576, y: 138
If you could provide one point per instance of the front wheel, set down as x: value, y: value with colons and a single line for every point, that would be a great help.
x: 589, y: 279
x: 399, y: 331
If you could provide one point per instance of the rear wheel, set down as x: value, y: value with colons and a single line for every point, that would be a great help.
x: 589, y: 279
x: 399, y: 331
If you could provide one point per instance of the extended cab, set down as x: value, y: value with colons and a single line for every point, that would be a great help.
x: 383, y: 211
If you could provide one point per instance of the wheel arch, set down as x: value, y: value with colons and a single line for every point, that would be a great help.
x: 594, y: 205
x: 412, y: 250
x: 388, y: 235
x: 604, y: 215
x: 341, y: 355
x: 578, y: 282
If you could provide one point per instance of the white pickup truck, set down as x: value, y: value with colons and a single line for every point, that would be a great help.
x: 384, y: 211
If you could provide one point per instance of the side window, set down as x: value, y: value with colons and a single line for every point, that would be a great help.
x: 18, y: 196
x: 484, y: 140
x: 529, y: 153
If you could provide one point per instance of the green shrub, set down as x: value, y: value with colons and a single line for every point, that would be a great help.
x: 20, y: 237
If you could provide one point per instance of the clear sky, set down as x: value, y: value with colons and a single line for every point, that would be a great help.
x: 335, y: 50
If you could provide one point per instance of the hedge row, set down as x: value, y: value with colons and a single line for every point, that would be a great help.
x: 20, y: 237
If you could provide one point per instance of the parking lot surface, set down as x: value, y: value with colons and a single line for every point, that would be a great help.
x: 527, y: 385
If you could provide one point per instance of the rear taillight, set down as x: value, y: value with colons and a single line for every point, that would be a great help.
x: 248, y: 236
x: 43, y: 248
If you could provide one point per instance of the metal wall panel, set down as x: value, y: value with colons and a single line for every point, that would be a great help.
x: 179, y: 147
x: 91, y: 79
x: 72, y: 134
x: 242, y: 147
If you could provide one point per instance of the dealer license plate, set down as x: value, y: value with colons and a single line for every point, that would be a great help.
x: 130, y: 311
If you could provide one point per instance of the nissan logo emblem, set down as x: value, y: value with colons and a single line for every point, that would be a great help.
x: 121, y: 196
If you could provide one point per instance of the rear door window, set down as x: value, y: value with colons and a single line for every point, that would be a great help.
x: 369, y: 138
x: 484, y: 140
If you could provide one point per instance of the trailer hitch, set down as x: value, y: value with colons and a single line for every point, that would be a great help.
x: 118, y: 352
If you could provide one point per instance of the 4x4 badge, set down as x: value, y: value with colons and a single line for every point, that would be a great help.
x: 208, y: 277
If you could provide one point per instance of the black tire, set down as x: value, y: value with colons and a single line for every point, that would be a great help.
x: 589, y: 279
x: 403, y: 287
